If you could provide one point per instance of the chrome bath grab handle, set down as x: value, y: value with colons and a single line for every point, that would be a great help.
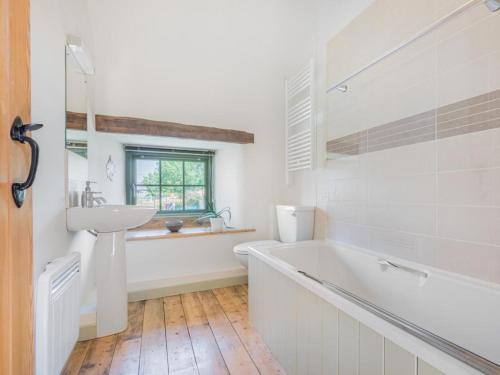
x: 388, y: 263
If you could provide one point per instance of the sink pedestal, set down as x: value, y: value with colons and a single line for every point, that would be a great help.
x: 111, y: 280
x: 110, y: 222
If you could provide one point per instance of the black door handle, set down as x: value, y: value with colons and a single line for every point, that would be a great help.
x: 18, y: 133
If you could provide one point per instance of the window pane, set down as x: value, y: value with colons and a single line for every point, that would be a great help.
x: 148, y: 196
x: 147, y: 172
x: 195, y: 198
x: 194, y: 172
x: 171, y: 172
x: 171, y: 199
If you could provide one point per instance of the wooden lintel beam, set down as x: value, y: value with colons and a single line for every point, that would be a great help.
x: 131, y: 125
x: 76, y: 120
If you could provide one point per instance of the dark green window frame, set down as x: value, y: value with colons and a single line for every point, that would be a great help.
x: 133, y: 153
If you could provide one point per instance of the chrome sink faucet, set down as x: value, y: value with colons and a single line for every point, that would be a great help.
x: 89, y: 199
x: 99, y: 201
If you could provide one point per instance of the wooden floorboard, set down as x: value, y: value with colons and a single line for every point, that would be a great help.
x: 76, y: 359
x: 154, y: 342
x: 237, y: 312
x: 99, y: 356
x: 205, y: 333
x: 208, y: 356
x: 128, y: 344
x: 235, y: 355
x: 179, y: 348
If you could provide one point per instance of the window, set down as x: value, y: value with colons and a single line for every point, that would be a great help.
x: 172, y: 181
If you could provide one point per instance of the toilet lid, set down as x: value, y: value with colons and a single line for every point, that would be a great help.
x: 242, y: 248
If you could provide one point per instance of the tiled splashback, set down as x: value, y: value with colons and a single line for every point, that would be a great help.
x: 415, y: 141
x: 476, y: 114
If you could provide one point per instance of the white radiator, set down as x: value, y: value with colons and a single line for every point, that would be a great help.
x: 299, y: 129
x: 57, y: 313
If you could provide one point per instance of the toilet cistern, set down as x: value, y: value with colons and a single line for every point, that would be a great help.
x: 295, y: 223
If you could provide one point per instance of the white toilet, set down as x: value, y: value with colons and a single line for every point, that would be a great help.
x: 295, y: 223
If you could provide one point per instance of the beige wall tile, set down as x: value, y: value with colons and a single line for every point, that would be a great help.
x: 348, y: 212
x: 435, y: 202
x: 479, y: 187
x: 417, y: 248
x: 494, y: 71
x: 417, y: 219
x: 474, y: 224
x: 470, y: 43
x: 353, y: 234
x: 477, y: 260
x: 470, y: 151
x: 462, y: 81
x: 418, y: 188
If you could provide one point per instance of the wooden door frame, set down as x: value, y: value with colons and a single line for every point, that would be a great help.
x: 16, y: 233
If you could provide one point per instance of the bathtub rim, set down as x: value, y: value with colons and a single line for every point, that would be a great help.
x: 420, y: 349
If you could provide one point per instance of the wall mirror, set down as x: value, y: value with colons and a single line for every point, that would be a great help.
x: 78, y: 68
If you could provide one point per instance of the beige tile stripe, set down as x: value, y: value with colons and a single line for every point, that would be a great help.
x: 471, y: 115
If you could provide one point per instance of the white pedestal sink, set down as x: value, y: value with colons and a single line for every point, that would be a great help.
x: 110, y: 223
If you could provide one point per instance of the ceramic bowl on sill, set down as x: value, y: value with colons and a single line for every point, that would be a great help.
x: 174, y: 225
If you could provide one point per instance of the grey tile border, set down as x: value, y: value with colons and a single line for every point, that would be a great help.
x: 471, y: 115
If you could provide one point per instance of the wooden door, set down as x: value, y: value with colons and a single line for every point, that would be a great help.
x: 16, y: 294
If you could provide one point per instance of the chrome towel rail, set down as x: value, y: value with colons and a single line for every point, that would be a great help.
x: 341, y: 85
x: 476, y: 361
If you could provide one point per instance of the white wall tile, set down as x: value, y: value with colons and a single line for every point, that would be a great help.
x: 418, y: 219
x: 420, y: 188
x: 470, y: 43
x: 470, y: 151
x: 400, y: 244
x: 353, y: 234
x: 475, y: 224
x: 471, y: 187
x: 347, y: 212
x: 417, y: 201
x: 463, y: 81
x: 477, y: 260
x: 414, y: 159
x: 398, y: 361
x: 347, y: 189
x: 494, y: 71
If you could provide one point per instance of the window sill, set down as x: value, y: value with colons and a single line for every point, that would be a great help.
x: 158, y: 222
x: 159, y: 234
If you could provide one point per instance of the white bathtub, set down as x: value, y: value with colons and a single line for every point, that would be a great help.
x: 287, y: 308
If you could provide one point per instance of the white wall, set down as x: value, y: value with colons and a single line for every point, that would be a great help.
x: 220, y: 63
x: 48, y: 38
